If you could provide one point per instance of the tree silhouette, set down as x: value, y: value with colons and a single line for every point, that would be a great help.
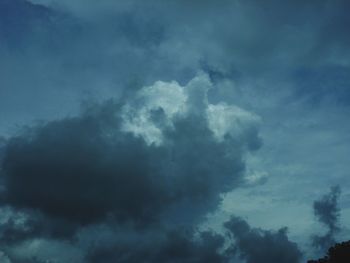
x: 339, y: 253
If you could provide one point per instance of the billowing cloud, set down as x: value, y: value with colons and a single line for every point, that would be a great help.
x: 260, y: 246
x: 132, y: 162
x: 240, y: 242
x: 152, y: 166
x: 109, y: 166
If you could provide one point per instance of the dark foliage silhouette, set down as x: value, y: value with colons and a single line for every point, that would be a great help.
x: 339, y: 253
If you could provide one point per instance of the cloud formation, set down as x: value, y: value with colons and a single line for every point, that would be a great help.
x: 186, y: 78
x: 261, y: 246
x: 131, y: 163
x: 240, y: 242
x: 173, y: 246
x: 327, y: 212
x: 163, y: 40
x: 158, y: 162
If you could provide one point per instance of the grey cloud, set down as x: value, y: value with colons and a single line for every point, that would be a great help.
x: 158, y: 40
x: 327, y: 83
x: 174, y: 246
x: 326, y: 209
x: 67, y: 175
x: 21, y: 225
x: 4, y: 258
x: 186, y: 245
x: 18, y: 229
x: 327, y: 212
x: 82, y: 169
x: 156, y: 36
x: 261, y: 246
x: 65, y: 169
x: 87, y: 168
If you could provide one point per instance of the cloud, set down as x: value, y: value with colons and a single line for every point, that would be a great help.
x: 74, y: 177
x: 89, y: 42
x: 44, y: 251
x: 17, y: 227
x: 173, y: 246
x: 4, y: 258
x: 240, y: 242
x: 174, y: 102
x: 18, y: 18
x: 87, y: 168
x: 171, y: 144
x: 108, y: 243
x: 261, y: 246
x: 327, y: 211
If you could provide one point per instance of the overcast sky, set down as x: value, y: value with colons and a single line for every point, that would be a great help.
x: 173, y: 130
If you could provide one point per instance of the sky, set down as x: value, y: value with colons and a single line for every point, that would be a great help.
x: 173, y: 131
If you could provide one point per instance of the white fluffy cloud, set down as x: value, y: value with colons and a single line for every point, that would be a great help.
x: 174, y: 101
x: 224, y: 119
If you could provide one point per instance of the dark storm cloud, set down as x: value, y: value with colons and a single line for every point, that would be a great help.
x: 261, y: 246
x: 146, y: 164
x: 71, y: 169
x: 19, y: 225
x: 327, y: 212
x: 12, y: 231
x: 174, y: 246
x: 86, y: 168
x: 185, y: 245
